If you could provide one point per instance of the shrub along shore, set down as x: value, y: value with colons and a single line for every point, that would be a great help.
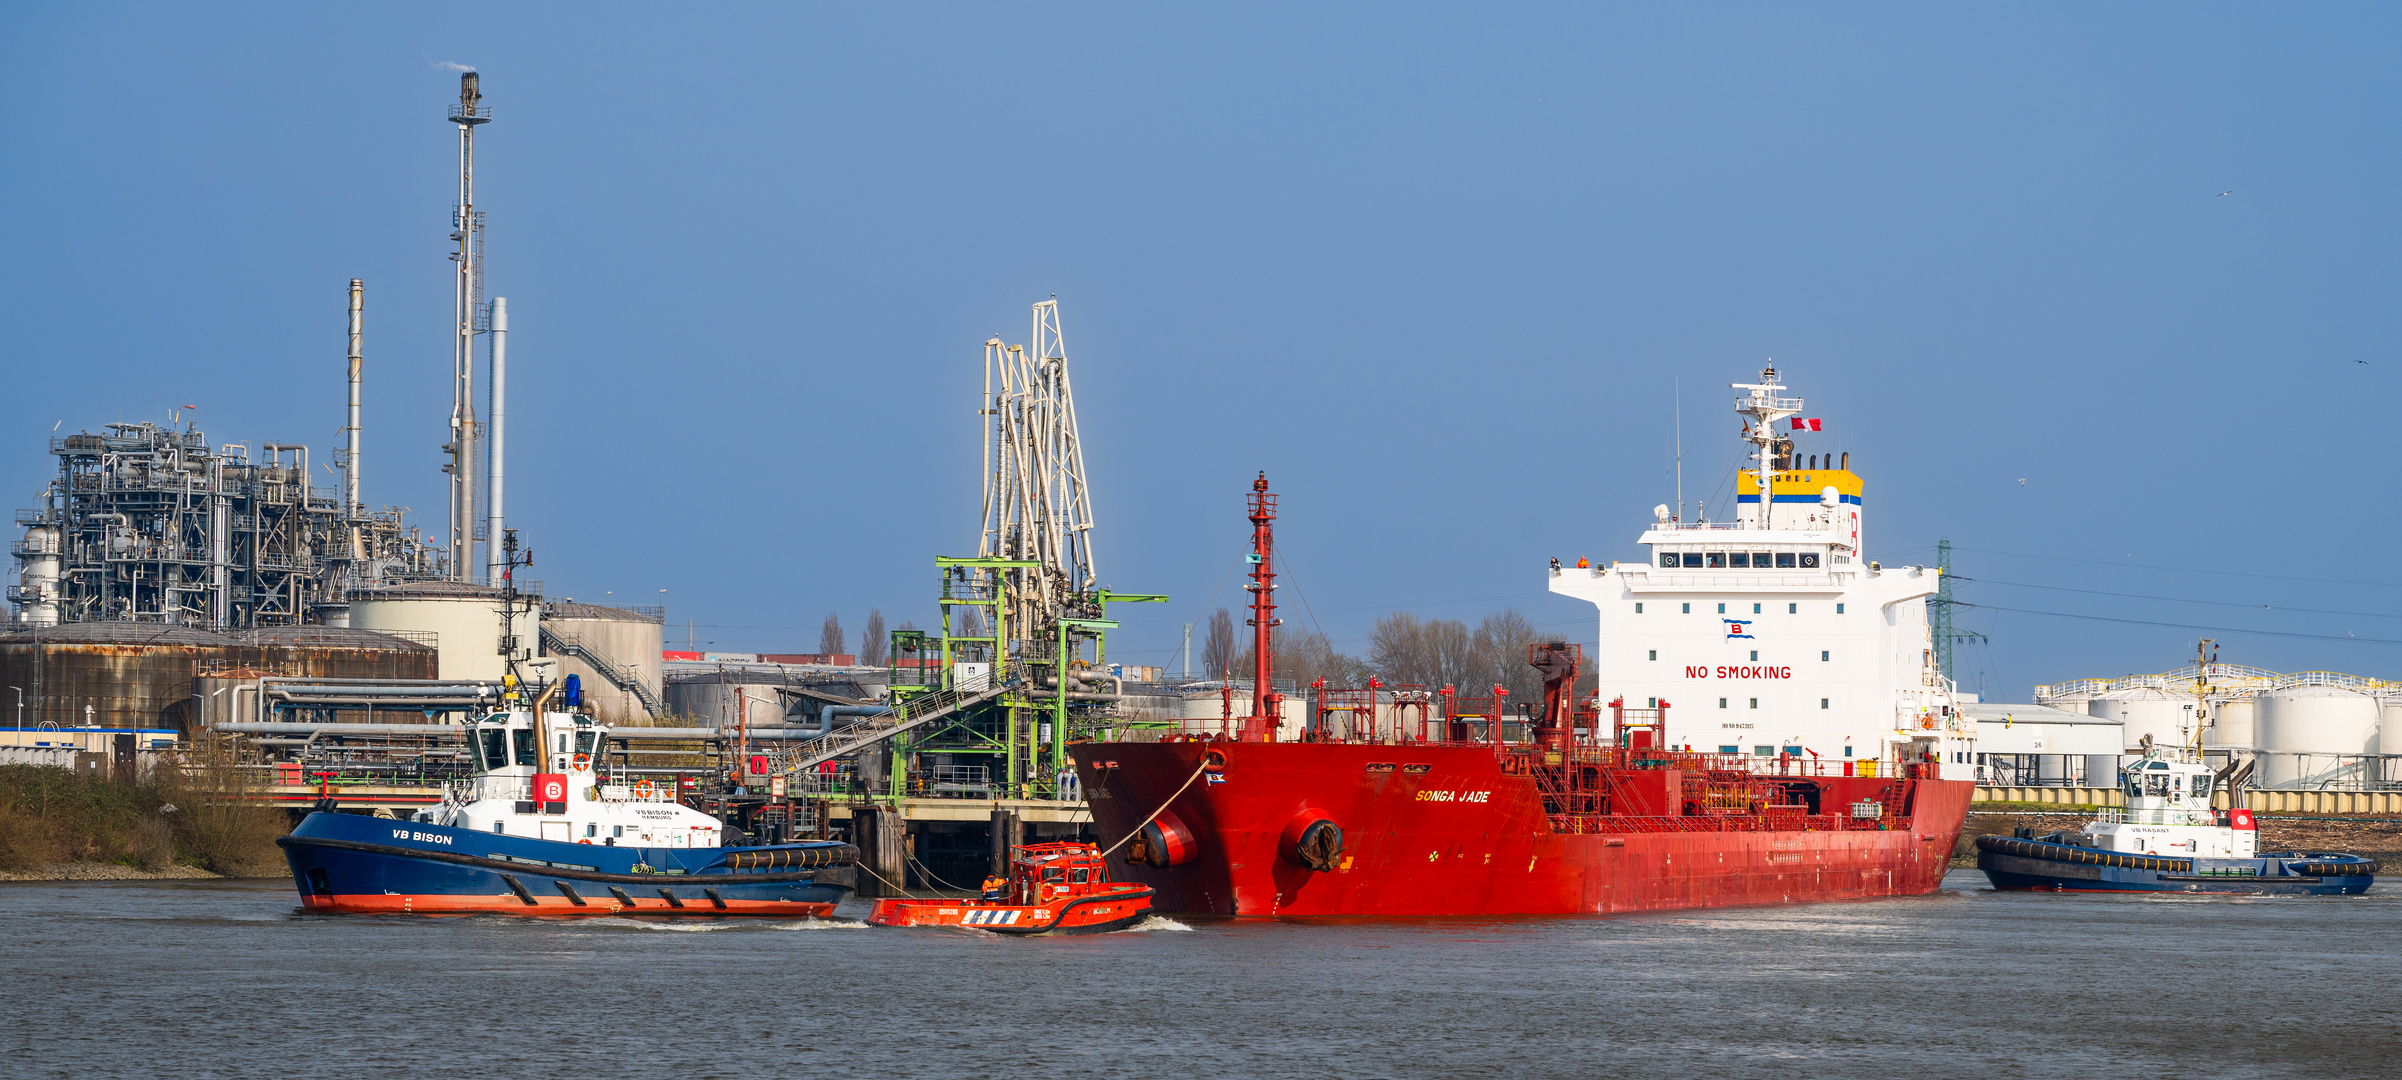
x: 56, y: 823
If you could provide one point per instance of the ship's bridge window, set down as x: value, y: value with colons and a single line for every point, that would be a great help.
x: 583, y: 741
x: 1809, y: 560
x: 527, y: 752
x: 496, y: 748
x: 1717, y: 560
x: 1668, y: 560
x: 1742, y: 559
x: 2134, y: 787
x: 2201, y: 786
x: 1077, y: 876
x: 1692, y: 560
x: 1784, y: 560
x: 2155, y: 786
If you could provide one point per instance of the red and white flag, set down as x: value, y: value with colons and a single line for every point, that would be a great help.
x: 1810, y: 424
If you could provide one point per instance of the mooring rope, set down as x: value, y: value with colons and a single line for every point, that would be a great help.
x: 1138, y: 826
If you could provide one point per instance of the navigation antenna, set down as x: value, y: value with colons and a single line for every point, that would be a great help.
x: 1765, y: 409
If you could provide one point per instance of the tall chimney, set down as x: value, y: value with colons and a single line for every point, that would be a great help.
x: 350, y: 466
x: 500, y: 397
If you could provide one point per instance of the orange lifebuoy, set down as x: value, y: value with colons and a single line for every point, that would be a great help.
x: 583, y: 762
x: 643, y: 789
x: 583, y: 841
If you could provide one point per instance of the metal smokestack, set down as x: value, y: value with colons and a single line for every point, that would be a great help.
x: 350, y: 463
x: 467, y: 229
x: 500, y: 397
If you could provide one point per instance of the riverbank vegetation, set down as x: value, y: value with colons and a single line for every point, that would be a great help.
x: 196, y: 815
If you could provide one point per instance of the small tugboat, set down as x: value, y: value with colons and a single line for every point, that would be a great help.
x: 1052, y: 889
x: 539, y: 830
x: 2169, y: 839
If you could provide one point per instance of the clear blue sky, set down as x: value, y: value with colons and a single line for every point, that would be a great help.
x: 1437, y: 270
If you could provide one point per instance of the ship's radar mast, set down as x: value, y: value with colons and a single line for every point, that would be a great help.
x: 1765, y: 409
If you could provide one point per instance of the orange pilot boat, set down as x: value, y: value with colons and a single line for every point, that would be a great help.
x: 1052, y: 889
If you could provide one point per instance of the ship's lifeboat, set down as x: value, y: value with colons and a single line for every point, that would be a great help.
x: 1051, y: 889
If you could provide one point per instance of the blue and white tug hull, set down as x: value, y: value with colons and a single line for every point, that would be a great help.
x: 2023, y: 864
x: 349, y: 863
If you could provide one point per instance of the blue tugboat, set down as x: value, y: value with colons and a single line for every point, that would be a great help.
x: 538, y: 830
x: 2169, y: 839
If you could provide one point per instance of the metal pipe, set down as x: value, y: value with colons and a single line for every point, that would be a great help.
x: 471, y: 693
x: 825, y: 721
x: 492, y: 481
x: 439, y: 730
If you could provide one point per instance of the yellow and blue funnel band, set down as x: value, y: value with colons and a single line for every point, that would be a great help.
x: 1801, y: 486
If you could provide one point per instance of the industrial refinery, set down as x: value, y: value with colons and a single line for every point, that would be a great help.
x: 173, y: 591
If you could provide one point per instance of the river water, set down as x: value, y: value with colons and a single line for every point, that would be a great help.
x: 226, y: 978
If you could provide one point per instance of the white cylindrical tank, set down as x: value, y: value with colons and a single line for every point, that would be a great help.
x: 39, y: 554
x: 2101, y: 770
x: 465, y: 620
x: 2165, y: 715
x: 627, y: 642
x: 2389, y: 740
x: 2232, y: 723
x: 2314, y: 736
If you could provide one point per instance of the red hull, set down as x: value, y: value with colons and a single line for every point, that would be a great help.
x: 1459, y: 837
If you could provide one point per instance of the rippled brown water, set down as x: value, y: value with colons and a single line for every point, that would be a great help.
x: 227, y: 979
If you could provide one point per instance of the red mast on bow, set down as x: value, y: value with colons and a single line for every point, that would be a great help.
x: 1266, y: 713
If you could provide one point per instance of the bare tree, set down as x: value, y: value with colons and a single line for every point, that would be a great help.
x: 967, y: 621
x: 1499, y: 651
x: 829, y: 640
x: 1217, y: 647
x: 873, y: 644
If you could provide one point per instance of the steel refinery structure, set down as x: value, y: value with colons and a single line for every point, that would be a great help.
x: 1019, y: 668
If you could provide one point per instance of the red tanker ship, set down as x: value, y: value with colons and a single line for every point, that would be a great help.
x: 1851, y: 783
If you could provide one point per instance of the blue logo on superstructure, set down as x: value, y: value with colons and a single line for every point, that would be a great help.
x: 1737, y: 628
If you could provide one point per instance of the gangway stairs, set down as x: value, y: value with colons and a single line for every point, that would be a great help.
x: 564, y: 644
x: 915, y: 713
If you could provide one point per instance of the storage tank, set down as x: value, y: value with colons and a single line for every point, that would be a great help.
x: 2231, y: 723
x: 2389, y: 739
x: 465, y: 622
x: 2165, y: 715
x: 613, y: 651
x: 113, y: 674
x: 2314, y: 737
x: 720, y: 698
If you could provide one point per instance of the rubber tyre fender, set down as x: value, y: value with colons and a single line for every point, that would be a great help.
x: 1313, y: 840
x: 1166, y: 841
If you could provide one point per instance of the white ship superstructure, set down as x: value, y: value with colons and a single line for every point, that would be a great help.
x: 1769, y: 635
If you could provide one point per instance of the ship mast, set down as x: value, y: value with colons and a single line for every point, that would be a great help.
x: 1266, y: 715
x: 1765, y: 409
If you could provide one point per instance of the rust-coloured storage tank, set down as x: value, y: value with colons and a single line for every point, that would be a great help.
x: 130, y: 674
x: 114, y: 674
